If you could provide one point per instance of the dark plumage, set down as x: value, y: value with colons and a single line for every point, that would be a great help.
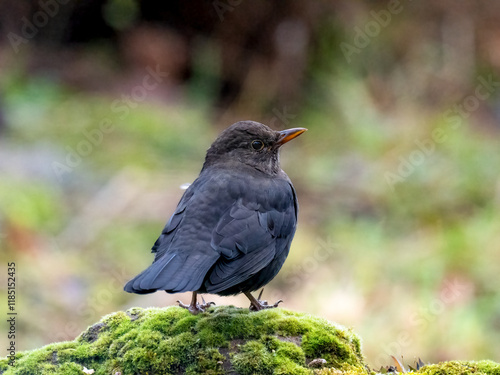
x: 232, y: 229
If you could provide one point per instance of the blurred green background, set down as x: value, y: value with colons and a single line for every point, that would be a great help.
x: 108, y: 107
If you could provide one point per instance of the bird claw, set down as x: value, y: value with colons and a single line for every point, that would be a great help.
x: 261, y: 305
x: 258, y: 304
x: 197, y: 308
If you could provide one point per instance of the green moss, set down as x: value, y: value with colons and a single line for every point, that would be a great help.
x: 343, y: 370
x: 337, y: 347
x: 462, y: 368
x: 170, y: 341
x: 291, y: 352
x: 208, y: 361
x: 221, y: 341
x: 253, y: 358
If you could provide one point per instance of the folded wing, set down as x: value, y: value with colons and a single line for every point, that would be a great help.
x: 218, y: 241
x: 247, y: 236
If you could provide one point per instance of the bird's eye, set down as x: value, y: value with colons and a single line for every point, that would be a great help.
x: 257, y: 145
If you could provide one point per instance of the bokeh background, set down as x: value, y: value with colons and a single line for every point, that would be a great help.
x: 107, y: 109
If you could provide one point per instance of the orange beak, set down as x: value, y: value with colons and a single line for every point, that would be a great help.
x: 289, y: 134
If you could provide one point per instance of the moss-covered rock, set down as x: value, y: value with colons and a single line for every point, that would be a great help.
x: 224, y: 340
x: 462, y: 368
x: 443, y: 368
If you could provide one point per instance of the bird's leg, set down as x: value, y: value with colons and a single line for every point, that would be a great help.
x: 257, y: 304
x: 194, y: 307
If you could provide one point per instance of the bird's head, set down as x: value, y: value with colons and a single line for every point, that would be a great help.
x: 251, y: 143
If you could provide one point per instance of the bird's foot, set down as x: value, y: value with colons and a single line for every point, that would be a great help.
x: 195, y: 308
x: 258, y: 304
x: 261, y: 305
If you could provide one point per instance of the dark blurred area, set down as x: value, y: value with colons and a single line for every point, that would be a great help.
x: 268, y: 50
x: 231, y: 53
x: 107, y: 108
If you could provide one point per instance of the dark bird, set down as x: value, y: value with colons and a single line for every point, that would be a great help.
x: 232, y: 229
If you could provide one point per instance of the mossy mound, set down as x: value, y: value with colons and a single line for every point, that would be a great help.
x: 462, y: 368
x: 224, y: 340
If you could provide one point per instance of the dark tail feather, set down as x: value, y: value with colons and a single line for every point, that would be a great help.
x: 173, y: 274
x: 131, y: 286
x: 161, y: 275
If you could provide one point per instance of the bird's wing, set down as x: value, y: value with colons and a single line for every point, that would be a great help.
x: 182, y: 254
x: 167, y: 234
x: 221, y: 227
x: 248, y: 235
